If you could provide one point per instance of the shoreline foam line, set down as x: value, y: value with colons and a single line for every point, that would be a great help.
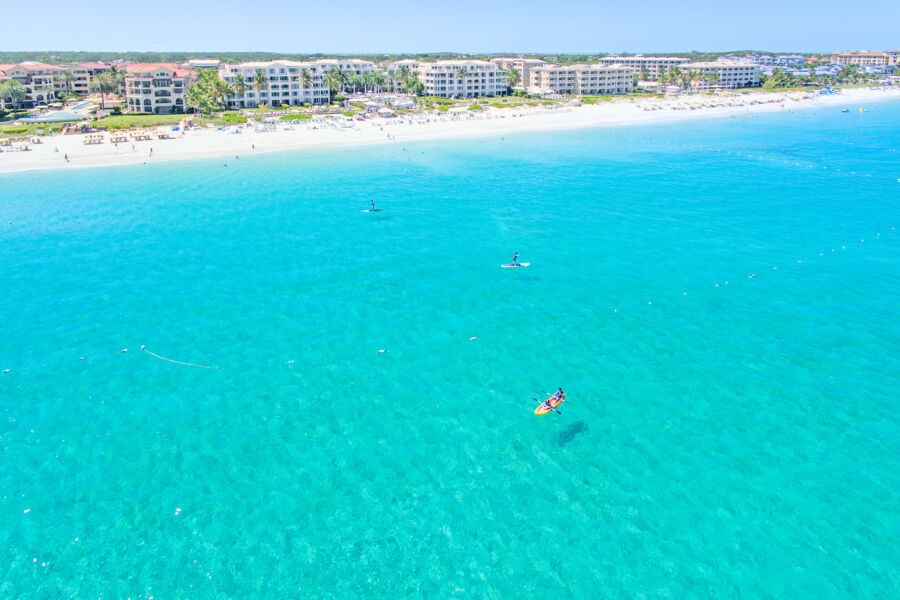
x: 177, y: 362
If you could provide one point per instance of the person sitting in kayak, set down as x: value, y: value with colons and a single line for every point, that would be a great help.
x: 559, y: 395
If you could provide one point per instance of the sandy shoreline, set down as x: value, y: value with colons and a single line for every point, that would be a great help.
x: 209, y: 143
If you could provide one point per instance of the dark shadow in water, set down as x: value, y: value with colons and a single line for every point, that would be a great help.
x: 571, y: 432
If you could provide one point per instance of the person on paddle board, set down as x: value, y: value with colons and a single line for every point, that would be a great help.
x: 373, y: 206
x: 514, y: 258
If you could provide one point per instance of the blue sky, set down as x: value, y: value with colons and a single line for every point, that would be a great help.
x: 354, y: 26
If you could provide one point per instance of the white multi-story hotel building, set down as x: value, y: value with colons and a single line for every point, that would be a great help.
x: 728, y: 74
x: 156, y: 88
x: 655, y: 65
x: 582, y: 79
x: 462, y: 78
x: 286, y: 82
x: 522, y: 65
x: 351, y: 66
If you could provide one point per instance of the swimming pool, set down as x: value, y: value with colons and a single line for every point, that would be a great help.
x: 81, y: 105
x: 53, y: 118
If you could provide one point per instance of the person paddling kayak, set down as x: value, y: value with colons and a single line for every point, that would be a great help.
x: 551, y: 403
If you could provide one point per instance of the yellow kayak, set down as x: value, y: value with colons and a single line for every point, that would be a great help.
x: 549, y: 404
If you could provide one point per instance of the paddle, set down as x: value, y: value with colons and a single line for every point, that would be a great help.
x: 548, y: 406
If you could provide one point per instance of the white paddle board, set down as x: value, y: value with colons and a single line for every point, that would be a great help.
x: 513, y: 266
x: 376, y: 210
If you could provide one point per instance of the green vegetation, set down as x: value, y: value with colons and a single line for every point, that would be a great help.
x: 138, y: 120
x: 348, y: 113
x: 475, y: 107
x: 233, y: 118
x: 19, y: 130
x: 13, y: 92
x: 111, y: 81
x: 595, y: 99
x: 208, y: 93
x: 296, y: 117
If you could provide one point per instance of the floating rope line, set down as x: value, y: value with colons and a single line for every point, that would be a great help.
x: 177, y: 362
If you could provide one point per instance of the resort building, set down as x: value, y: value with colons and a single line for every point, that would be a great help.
x: 199, y: 64
x: 522, y: 65
x: 156, y: 88
x: 38, y: 79
x: 582, y: 79
x: 862, y: 59
x: 279, y: 82
x: 351, y: 66
x: 462, y: 78
x: 726, y: 74
x: 654, y: 65
x: 790, y: 60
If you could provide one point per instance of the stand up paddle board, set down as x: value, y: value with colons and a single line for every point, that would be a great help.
x: 373, y: 210
x: 513, y: 266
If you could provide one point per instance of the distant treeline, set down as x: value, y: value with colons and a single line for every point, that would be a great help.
x: 63, y: 57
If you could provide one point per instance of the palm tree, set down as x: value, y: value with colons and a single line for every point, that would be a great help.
x: 239, y: 86
x: 260, y: 81
x: 343, y: 77
x: 403, y: 76
x: 414, y: 85
x: 378, y: 79
x: 117, y: 78
x: 355, y: 82
x: 103, y: 83
x: 305, y: 77
x: 333, y: 82
x: 513, y: 77
x: 461, y: 74
x: 67, y: 76
x: 219, y: 90
x: 367, y: 80
x: 13, y: 91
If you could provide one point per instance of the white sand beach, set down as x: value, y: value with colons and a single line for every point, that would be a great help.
x: 51, y: 153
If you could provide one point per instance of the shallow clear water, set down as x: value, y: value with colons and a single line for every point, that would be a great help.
x: 739, y: 441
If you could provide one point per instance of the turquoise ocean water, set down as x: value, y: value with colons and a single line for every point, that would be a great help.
x: 739, y: 441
